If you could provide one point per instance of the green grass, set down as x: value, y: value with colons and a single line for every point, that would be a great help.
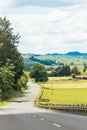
x: 2, y: 104
x: 16, y: 95
x: 60, y: 91
x: 66, y: 96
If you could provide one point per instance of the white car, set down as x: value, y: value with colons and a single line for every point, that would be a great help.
x: 19, y: 100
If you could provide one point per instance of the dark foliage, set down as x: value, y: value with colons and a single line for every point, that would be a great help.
x: 38, y: 72
x: 61, y: 71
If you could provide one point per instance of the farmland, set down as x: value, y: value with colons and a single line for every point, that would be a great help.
x: 65, y: 91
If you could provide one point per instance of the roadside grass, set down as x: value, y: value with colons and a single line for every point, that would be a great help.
x: 69, y: 92
x: 3, y: 104
x: 15, y: 96
x: 37, y: 100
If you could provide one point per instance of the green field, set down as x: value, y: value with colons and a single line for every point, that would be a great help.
x: 66, y: 91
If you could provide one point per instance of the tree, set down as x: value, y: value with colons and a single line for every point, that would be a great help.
x: 8, y: 49
x: 38, y: 72
x: 85, y: 67
x: 22, y: 83
x: 62, y: 71
x: 75, y: 70
x: 65, y: 71
x: 73, y: 75
x: 6, y: 80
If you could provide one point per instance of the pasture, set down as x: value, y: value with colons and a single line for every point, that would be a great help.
x: 64, y: 91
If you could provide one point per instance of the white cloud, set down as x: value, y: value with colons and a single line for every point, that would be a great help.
x: 59, y: 30
x: 6, y: 3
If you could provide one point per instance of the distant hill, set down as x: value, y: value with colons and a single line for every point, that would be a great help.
x: 54, y: 54
x: 70, y: 58
x: 75, y: 53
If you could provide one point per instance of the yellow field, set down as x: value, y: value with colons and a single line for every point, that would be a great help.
x: 65, y: 91
x: 58, y: 78
x: 56, y: 84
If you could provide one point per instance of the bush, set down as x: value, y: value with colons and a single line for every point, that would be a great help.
x: 73, y: 75
x: 22, y: 83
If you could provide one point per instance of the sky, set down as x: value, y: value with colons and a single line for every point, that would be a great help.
x: 48, y: 26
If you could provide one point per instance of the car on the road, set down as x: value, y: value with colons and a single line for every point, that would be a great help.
x: 19, y: 100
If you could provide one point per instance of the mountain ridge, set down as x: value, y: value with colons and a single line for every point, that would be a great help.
x: 70, y: 58
x: 73, y: 53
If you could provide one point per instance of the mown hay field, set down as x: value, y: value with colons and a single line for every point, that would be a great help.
x: 65, y: 91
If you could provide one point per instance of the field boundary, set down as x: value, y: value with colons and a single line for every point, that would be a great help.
x: 82, y: 109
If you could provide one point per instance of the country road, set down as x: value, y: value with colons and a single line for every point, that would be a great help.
x: 25, y: 116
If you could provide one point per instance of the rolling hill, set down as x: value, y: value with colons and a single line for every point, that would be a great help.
x: 70, y: 58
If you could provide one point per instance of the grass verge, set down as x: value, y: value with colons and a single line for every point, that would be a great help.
x: 15, y: 96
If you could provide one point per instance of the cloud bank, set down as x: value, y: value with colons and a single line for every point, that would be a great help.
x: 48, y: 3
x: 49, y: 30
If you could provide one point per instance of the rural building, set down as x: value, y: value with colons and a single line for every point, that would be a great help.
x: 81, y: 77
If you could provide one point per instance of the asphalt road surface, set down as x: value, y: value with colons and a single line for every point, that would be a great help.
x: 23, y: 115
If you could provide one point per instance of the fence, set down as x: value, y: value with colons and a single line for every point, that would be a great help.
x: 67, y: 108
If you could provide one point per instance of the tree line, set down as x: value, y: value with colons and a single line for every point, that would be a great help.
x: 12, y: 76
x: 65, y: 71
x: 47, y: 62
x: 40, y: 74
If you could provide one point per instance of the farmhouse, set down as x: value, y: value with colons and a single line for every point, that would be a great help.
x: 81, y: 77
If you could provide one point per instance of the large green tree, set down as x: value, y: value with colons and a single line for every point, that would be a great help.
x: 62, y: 71
x: 38, y: 72
x: 8, y: 49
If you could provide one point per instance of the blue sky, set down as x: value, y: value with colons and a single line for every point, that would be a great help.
x: 48, y: 26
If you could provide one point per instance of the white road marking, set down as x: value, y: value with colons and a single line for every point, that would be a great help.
x: 56, y: 125
x: 42, y: 119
